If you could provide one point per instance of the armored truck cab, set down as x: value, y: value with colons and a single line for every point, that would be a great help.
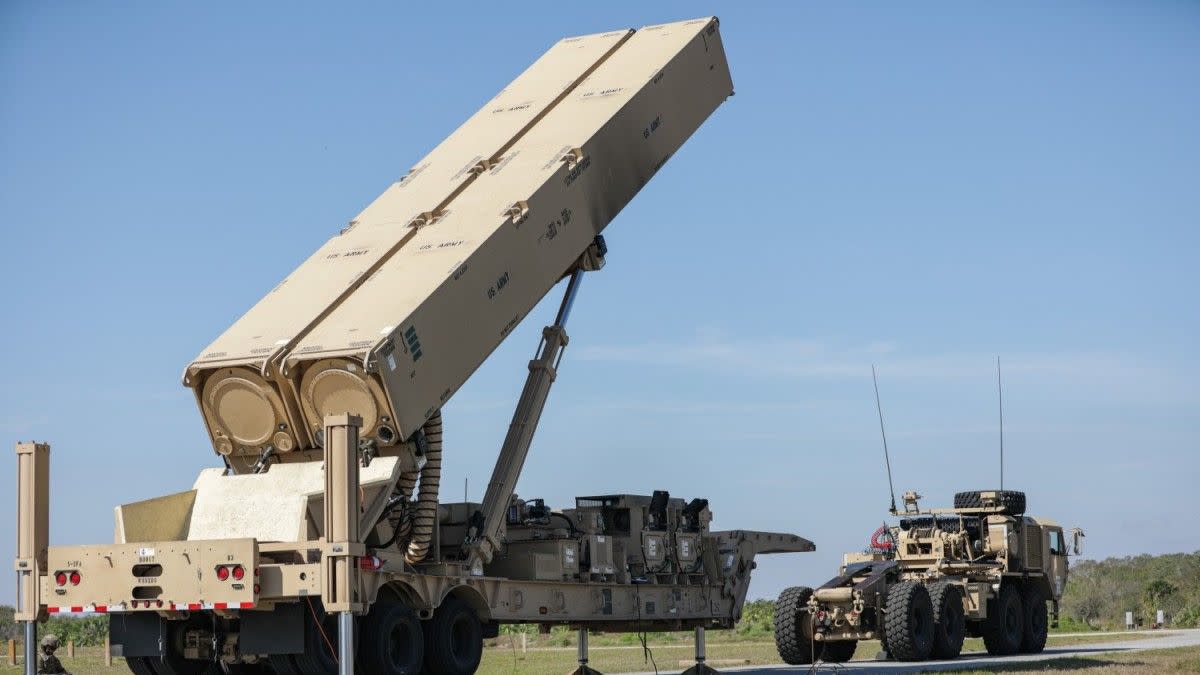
x: 982, y: 568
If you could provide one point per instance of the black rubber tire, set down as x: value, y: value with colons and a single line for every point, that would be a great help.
x: 1005, y: 623
x: 246, y: 669
x: 392, y: 641
x: 284, y: 664
x: 1012, y: 502
x: 320, y: 645
x: 1037, y: 620
x: 949, y: 620
x: 839, y: 651
x: 793, y: 627
x: 141, y: 665
x: 909, y: 621
x: 453, y: 639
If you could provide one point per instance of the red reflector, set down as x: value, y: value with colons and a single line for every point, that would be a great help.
x: 193, y: 607
x: 247, y: 605
x: 239, y: 572
x: 75, y: 578
x: 101, y: 608
x: 370, y: 563
x: 52, y: 610
x: 77, y: 610
x: 220, y: 605
x: 61, y: 578
x: 223, y: 573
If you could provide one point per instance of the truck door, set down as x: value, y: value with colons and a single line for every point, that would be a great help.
x: 1056, y: 561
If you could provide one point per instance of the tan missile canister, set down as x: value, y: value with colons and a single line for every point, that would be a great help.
x: 389, y: 318
x: 235, y: 378
x: 437, y: 308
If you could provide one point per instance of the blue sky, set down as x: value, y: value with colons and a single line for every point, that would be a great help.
x: 921, y: 187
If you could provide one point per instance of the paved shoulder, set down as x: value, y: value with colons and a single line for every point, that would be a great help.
x: 979, y: 660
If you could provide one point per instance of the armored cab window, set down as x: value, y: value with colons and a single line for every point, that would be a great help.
x: 1056, y: 543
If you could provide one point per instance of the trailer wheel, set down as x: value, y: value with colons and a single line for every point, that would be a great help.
x: 283, y: 664
x: 320, y: 655
x: 793, y: 627
x: 140, y: 665
x: 1036, y: 620
x: 1005, y: 623
x: 1012, y: 502
x: 839, y: 651
x: 453, y: 639
x: 949, y: 620
x: 244, y: 669
x: 392, y: 642
x: 909, y: 621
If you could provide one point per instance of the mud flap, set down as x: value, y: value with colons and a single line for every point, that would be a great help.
x: 280, y: 631
x: 133, y: 634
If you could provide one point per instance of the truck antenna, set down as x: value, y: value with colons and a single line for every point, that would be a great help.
x: 1000, y: 398
x: 886, y: 458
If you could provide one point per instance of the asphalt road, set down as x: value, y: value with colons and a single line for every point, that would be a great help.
x: 980, y: 660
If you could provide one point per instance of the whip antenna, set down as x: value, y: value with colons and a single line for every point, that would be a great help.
x: 1000, y: 396
x: 886, y: 459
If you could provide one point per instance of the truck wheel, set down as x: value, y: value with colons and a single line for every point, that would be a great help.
x: 140, y: 665
x: 392, y: 643
x: 320, y: 644
x: 1011, y: 502
x: 453, y: 639
x: 284, y: 664
x: 1005, y: 623
x: 244, y: 669
x: 793, y: 627
x: 949, y: 620
x: 839, y: 651
x: 909, y: 621
x: 1036, y: 620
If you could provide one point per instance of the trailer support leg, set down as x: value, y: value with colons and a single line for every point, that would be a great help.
x: 701, y: 668
x: 340, y: 589
x: 30, y: 648
x: 33, y: 531
x: 346, y: 643
x: 584, y: 668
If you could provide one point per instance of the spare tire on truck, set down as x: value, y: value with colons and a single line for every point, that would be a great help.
x: 1011, y: 502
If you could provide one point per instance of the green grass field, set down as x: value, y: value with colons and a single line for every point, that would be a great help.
x: 614, y: 654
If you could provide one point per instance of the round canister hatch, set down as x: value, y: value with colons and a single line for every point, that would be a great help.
x: 334, y: 391
x: 240, y: 404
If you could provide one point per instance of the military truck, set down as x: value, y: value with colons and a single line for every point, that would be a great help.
x: 322, y: 541
x: 982, y: 568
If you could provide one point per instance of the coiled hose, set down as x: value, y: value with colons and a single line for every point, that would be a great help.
x: 425, y: 511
